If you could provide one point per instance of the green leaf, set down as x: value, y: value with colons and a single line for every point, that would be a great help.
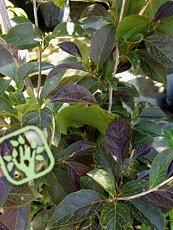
x: 131, y: 168
x: 116, y: 216
x: 134, y: 59
x: 104, y: 160
x: 31, y: 104
x: 50, y: 85
x: 165, y: 26
x: 102, y: 44
x: 132, y: 7
x: 148, y: 127
x: 95, y: 11
x: 90, y: 83
x: 147, y: 212
x: 132, y: 25
x: 168, y: 135
x: 133, y: 187
x: 68, y: 29
x: 59, y: 3
x: 159, y: 167
x: 9, y: 70
x: 78, y: 115
x: 17, y: 97
x: 59, y: 184
x: 153, y: 112
x: 88, y: 183
x: 105, y: 179
x: 4, y: 85
x: 6, y: 109
x: 160, y: 48
x: 55, y: 189
x: 57, y: 134
x: 24, y: 35
x: 81, y: 205
x: 94, y: 14
x: 42, y: 219
x: 78, y: 148
x: 23, y: 71
x: 152, y: 68
x: 42, y: 119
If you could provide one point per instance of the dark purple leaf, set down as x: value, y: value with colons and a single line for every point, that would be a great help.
x: 75, y: 171
x: 123, y: 94
x: 78, y: 148
x: 75, y: 208
x: 141, y: 151
x: 70, y: 48
x: 102, y: 44
x: 15, y: 218
x: 64, y: 66
x: 5, y: 188
x: 6, y: 146
x: 159, y: 47
x: 170, y: 170
x: 163, y: 197
x: 164, y: 11
x: 118, y: 137
x: 73, y: 93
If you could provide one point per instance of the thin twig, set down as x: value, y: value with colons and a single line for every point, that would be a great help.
x: 145, y: 7
x: 155, y: 189
x: 39, y: 72
x: 39, y: 50
x: 116, y: 59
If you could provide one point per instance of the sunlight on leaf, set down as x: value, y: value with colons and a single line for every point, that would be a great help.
x: 105, y: 179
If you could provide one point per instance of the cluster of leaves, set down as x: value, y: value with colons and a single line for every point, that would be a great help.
x: 107, y: 174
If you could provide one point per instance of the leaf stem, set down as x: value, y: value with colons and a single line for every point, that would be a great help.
x: 116, y: 59
x: 39, y: 50
x: 127, y: 198
x: 142, y: 11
